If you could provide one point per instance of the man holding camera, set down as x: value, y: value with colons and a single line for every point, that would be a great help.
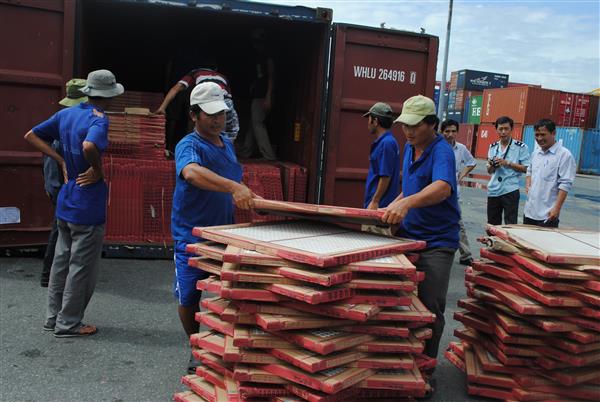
x: 508, y: 159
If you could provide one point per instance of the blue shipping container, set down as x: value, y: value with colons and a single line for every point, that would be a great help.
x: 590, y: 152
x: 436, y: 97
x: 571, y: 138
x: 480, y: 80
x: 455, y: 115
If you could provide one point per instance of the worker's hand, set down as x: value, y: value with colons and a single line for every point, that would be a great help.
x: 373, y: 205
x: 160, y: 110
x: 504, y: 163
x: 396, y: 211
x: 554, y: 214
x: 88, y: 177
x: 242, y: 197
x: 267, y: 105
x: 63, y: 167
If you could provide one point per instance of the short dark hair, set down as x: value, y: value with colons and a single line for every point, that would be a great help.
x: 504, y: 120
x: 195, y: 109
x: 431, y: 120
x: 448, y: 123
x: 384, y: 121
x: 549, y: 124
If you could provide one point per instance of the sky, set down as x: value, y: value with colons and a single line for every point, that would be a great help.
x: 552, y: 43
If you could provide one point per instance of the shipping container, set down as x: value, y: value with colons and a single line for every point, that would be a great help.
x: 525, y: 105
x: 453, y: 80
x: 455, y: 115
x: 519, y: 84
x: 590, y: 152
x: 461, y: 97
x: 573, y: 109
x: 474, y: 114
x: 570, y: 138
x: 480, y: 80
x: 451, y: 100
x: 593, y: 119
x: 487, y: 135
x: 466, y: 135
x: 333, y: 75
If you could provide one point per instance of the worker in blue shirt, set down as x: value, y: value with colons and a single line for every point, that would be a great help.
x: 53, y: 178
x: 207, y: 187
x: 383, y: 180
x: 508, y: 160
x: 81, y: 206
x: 427, y: 209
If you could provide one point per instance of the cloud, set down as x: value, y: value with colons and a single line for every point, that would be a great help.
x: 553, y: 43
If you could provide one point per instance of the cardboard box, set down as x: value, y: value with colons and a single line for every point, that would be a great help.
x: 406, y: 380
x: 392, y: 345
x: 213, y: 321
x: 206, y: 390
x: 211, y: 341
x: 381, y: 298
x: 232, y: 353
x: 243, y: 372
x: 214, y: 362
x: 330, y: 277
x: 381, y: 329
x: 356, y: 312
x: 325, y: 341
x: 415, y: 312
x: 312, y: 395
x: 385, y: 362
x: 312, y: 294
x: 256, y: 338
x: 276, y: 322
x: 313, y: 362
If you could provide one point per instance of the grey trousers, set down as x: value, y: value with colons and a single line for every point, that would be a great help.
x: 463, y: 245
x: 73, y: 275
x: 436, y: 264
x: 257, y: 133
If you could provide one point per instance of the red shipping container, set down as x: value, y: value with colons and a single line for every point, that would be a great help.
x: 462, y: 95
x: 520, y: 84
x: 466, y: 135
x: 592, y: 118
x: 573, y: 109
x: 487, y: 135
x: 525, y: 105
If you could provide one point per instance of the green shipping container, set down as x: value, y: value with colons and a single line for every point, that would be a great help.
x: 475, y: 103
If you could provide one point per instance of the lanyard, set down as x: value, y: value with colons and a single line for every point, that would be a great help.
x: 507, y: 149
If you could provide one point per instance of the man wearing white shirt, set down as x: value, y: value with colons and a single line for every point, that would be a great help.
x: 465, y: 163
x: 549, y: 179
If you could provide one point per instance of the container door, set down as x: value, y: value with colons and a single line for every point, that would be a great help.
x: 368, y: 65
x: 37, y: 60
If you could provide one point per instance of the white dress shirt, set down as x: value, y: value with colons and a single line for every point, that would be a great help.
x: 463, y: 158
x: 550, y: 171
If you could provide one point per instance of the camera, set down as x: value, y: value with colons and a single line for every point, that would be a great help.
x: 494, y: 163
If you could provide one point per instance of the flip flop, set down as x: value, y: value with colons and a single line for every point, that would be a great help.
x: 84, y: 330
x: 192, y: 364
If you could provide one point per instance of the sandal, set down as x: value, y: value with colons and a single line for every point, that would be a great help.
x: 192, y: 364
x: 84, y: 330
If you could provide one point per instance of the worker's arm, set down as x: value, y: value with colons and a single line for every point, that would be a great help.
x: 169, y: 97
x: 94, y: 172
x: 45, y: 148
x: 382, y: 186
x: 465, y: 172
x: 513, y: 165
x: 566, y: 178
x: 560, y: 200
x: 434, y: 193
x: 269, y: 95
x: 201, y: 177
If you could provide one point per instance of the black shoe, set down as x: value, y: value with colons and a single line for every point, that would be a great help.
x: 192, y: 364
x: 44, y: 282
x: 466, y: 261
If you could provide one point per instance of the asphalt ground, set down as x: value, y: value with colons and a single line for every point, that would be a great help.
x: 140, y: 351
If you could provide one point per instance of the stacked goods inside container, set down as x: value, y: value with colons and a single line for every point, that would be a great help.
x: 136, y: 136
x: 135, y: 99
x: 531, y: 322
x: 275, y: 181
x: 308, y: 311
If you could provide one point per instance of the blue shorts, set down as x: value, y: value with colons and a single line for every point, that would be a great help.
x: 184, y: 286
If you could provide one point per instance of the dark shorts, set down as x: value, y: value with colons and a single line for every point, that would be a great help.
x: 184, y: 286
x: 547, y: 224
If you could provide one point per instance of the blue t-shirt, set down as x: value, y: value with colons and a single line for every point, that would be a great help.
x: 193, y: 206
x: 436, y: 224
x: 505, y: 180
x: 384, y: 162
x: 80, y: 205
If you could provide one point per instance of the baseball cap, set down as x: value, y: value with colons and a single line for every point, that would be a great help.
x: 74, y: 94
x: 209, y: 96
x: 380, y: 109
x: 103, y: 84
x: 415, y: 109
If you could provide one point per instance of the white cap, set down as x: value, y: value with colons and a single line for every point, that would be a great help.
x: 209, y: 96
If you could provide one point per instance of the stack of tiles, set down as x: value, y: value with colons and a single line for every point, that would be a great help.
x: 136, y: 99
x: 136, y: 136
x: 307, y: 311
x: 531, y: 322
x: 264, y: 179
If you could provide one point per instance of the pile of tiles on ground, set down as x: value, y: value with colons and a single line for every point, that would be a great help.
x: 280, y: 330
x: 531, y: 328
x: 150, y: 100
x: 140, y: 196
x: 274, y: 181
x: 136, y: 136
